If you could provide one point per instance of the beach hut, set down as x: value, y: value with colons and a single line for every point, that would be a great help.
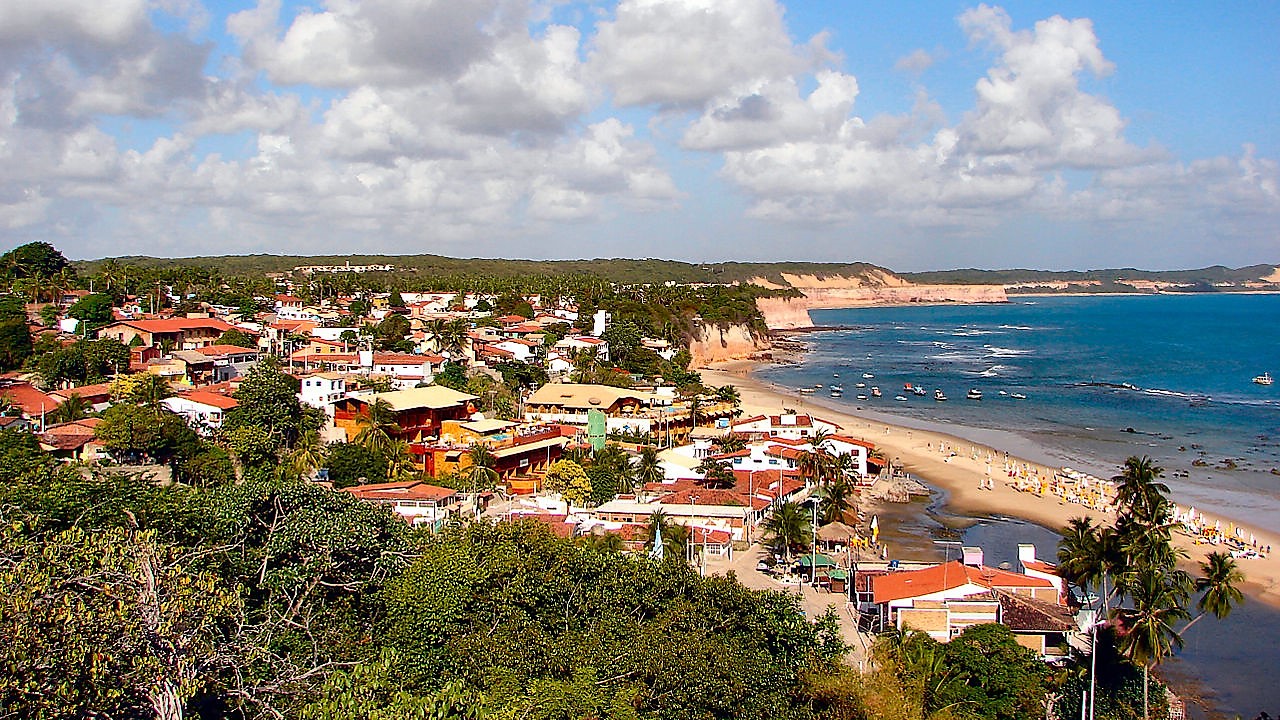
x: 836, y: 533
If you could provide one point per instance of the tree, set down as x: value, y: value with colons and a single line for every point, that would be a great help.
x: 377, y: 426
x: 1150, y: 636
x: 1140, y: 491
x: 109, y: 622
x: 675, y: 538
x: 133, y: 431
x: 268, y: 399
x: 1219, y: 585
x: 149, y: 390
x: 716, y: 474
x: 992, y: 676
x: 351, y: 464
x: 15, y: 336
x: 453, y: 376
x: 73, y: 408
x: 648, y: 467
x: 400, y: 463
x: 569, y: 480
x: 239, y: 338
x: 729, y: 394
x: 35, y: 259
x: 92, y: 310
x: 789, y: 527
x: 835, y: 497
x: 480, y: 473
x: 307, y: 454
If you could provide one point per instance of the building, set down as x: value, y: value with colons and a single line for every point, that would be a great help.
x: 203, y: 410
x: 626, y: 410
x: 322, y: 390
x: 179, y: 333
x: 417, y: 502
x: 72, y: 441
x: 418, y: 412
x: 792, y: 426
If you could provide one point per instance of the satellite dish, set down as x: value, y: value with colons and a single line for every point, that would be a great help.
x: 594, y: 400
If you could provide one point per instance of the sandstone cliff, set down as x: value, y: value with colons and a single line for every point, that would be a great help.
x: 730, y: 343
x: 837, y: 292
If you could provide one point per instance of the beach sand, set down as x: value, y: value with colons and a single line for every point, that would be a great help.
x: 917, y: 451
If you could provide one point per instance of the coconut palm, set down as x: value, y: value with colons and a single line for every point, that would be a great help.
x: 399, y: 461
x: 790, y: 527
x: 730, y: 443
x: 150, y: 391
x: 1150, y: 636
x: 71, y: 409
x: 716, y: 474
x: 377, y: 425
x: 813, y: 465
x: 729, y: 394
x: 675, y: 538
x: 648, y: 469
x: 1140, y: 490
x: 835, y: 497
x: 307, y: 454
x: 480, y: 474
x: 1219, y: 584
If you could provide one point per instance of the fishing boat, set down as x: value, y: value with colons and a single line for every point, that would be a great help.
x: 1264, y: 379
x: 907, y: 386
x: 860, y: 385
x: 939, y: 395
x: 1003, y: 392
x: 974, y: 394
x: 867, y: 376
x: 875, y: 392
x: 900, y: 398
x: 806, y: 391
x: 1017, y: 396
x: 918, y: 390
x: 837, y: 392
x: 862, y: 397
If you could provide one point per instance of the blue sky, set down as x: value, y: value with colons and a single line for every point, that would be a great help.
x: 912, y: 135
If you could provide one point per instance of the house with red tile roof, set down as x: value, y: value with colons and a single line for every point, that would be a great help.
x: 72, y: 441
x: 185, y: 333
x: 792, y: 426
x: 203, y: 410
x: 33, y: 402
x: 417, y: 502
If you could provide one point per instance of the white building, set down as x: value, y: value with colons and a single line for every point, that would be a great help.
x: 322, y: 390
x: 204, y: 411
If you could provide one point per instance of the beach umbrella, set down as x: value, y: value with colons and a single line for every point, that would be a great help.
x: 1217, y: 526
x: 1252, y: 540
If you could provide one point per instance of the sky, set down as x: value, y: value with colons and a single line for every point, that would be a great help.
x: 917, y: 136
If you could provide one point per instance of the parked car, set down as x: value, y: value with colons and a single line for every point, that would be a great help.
x: 763, y: 566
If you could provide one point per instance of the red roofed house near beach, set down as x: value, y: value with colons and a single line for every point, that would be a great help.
x: 186, y: 333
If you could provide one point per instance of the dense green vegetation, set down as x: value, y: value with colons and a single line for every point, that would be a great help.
x: 1202, y: 278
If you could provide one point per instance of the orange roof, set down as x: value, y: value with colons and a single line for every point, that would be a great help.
x: 223, y: 402
x: 390, y: 358
x: 32, y: 401
x: 854, y: 441
x: 948, y: 576
x: 1040, y: 566
x: 407, y: 490
x: 170, y: 325
x: 86, y: 392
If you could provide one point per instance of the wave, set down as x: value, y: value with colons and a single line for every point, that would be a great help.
x: 1016, y: 327
x: 997, y: 351
x: 993, y: 371
x: 970, y: 332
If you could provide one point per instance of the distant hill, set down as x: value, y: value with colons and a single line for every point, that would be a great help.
x: 779, y: 274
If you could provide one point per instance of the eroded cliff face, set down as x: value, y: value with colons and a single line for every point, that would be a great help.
x: 791, y: 313
x: 715, y: 344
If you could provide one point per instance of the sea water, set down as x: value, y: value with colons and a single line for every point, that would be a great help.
x: 1105, y: 377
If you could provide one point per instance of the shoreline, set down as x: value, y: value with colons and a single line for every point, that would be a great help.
x: 918, y: 451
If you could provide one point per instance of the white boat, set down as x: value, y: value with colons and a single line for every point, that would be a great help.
x: 835, y: 374
x: 806, y: 391
x: 974, y: 394
x: 1264, y: 379
x: 861, y: 385
x: 875, y: 392
x: 862, y: 397
x: 900, y: 398
x: 918, y: 390
x: 939, y: 396
x: 1003, y: 392
x: 837, y: 392
x: 867, y: 376
x: 1018, y: 396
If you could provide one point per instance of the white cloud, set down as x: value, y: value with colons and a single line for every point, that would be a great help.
x: 684, y: 53
x: 917, y: 61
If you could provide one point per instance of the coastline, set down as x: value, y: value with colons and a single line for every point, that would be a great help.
x: 917, y: 450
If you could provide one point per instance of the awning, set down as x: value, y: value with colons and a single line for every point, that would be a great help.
x: 817, y: 559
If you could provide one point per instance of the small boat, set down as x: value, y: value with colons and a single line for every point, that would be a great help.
x: 862, y: 397
x: 906, y: 386
x: 974, y: 394
x: 806, y: 391
x: 835, y: 374
x: 837, y: 392
x: 867, y: 376
x: 1003, y: 392
x: 900, y: 398
x: 918, y: 390
x: 1017, y: 396
x: 939, y: 396
x: 818, y: 386
x: 1264, y: 379
x: 875, y: 392
x: 860, y: 385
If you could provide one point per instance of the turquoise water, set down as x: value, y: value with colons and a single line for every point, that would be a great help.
x: 1104, y: 378
x: 1174, y: 369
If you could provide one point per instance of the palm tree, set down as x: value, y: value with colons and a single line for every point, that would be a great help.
x: 71, y: 409
x: 1219, y: 584
x: 812, y: 465
x: 307, y: 454
x: 730, y: 443
x: 150, y: 391
x: 790, y: 527
x: 480, y: 474
x: 729, y: 394
x: 835, y: 500
x: 1140, y: 491
x: 675, y: 538
x: 648, y: 469
x: 716, y: 474
x: 1150, y: 637
x: 377, y: 424
x: 399, y: 461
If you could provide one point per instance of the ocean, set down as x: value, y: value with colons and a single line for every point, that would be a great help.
x: 1104, y: 378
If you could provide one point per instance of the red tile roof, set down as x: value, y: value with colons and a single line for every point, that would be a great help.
x: 170, y: 325
x: 222, y: 402
x: 948, y: 576
x: 407, y: 490
x: 389, y: 358
x: 854, y: 441
x: 221, y: 350
x: 31, y: 400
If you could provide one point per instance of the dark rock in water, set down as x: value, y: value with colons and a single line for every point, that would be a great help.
x: 1229, y: 464
x: 1182, y: 448
x: 1199, y: 463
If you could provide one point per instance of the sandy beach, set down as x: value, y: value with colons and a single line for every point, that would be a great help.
x: 961, y: 475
